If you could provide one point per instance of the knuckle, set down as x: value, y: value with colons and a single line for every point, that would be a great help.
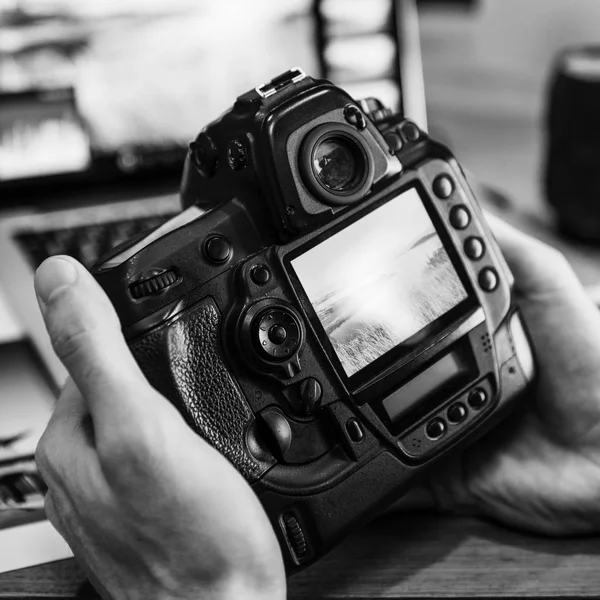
x: 48, y: 459
x: 68, y: 341
x: 51, y: 511
x: 43, y: 457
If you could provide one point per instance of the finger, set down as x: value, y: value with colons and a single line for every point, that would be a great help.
x: 543, y: 276
x: 538, y: 268
x: 86, y: 335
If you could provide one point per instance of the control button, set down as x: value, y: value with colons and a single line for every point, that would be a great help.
x: 477, y: 398
x: 355, y: 117
x: 310, y: 394
x: 435, y: 429
x: 278, y: 333
x: 204, y: 155
x: 459, y: 217
x: 411, y: 132
x: 295, y: 536
x: 237, y: 156
x: 488, y: 279
x: 260, y: 274
x: 443, y: 187
x: 394, y: 141
x: 474, y: 248
x: 355, y: 431
x: 279, y: 430
x: 217, y: 249
x: 381, y: 114
x: 456, y: 413
x: 152, y: 285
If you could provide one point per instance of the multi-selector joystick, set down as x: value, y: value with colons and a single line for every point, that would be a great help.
x: 277, y: 334
x: 272, y: 335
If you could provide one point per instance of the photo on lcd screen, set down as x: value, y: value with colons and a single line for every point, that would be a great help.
x: 380, y: 281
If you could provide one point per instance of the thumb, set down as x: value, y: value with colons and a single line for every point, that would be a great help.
x: 86, y: 335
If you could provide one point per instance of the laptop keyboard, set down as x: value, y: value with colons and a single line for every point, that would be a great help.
x: 86, y: 243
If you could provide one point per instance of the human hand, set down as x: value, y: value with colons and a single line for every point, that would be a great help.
x: 149, y: 508
x: 540, y: 469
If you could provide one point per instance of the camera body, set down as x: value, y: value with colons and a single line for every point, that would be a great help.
x: 340, y: 318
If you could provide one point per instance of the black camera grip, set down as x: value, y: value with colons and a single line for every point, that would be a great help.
x: 182, y: 360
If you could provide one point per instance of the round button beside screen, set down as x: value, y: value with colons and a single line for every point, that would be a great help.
x: 456, y: 413
x: 488, y: 279
x: 460, y: 217
x: 474, y: 248
x: 477, y: 398
x: 443, y: 187
x: 435, y: 429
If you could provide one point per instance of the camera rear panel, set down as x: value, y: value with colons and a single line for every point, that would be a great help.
x: 355, y: 446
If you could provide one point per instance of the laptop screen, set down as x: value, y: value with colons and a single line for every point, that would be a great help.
x: 80, y: 81
x: 121, y: 86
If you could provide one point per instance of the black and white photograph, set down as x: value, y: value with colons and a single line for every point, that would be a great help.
x: 380, y: 281
x: 300, y: 299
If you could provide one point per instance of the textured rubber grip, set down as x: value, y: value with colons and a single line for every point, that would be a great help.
x: 182, y: 360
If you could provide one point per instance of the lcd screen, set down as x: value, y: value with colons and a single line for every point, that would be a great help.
x: 445, y: 374
x: 380, y: 281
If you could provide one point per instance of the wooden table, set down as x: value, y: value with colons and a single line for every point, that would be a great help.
x: 418, y: 555
x: 492, y: 118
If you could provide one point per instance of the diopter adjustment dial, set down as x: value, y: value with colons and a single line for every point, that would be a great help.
x: 152, y: 284
x: 277, y: 334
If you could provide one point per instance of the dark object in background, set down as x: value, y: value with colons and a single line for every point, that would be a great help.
x: 337, y: 321
x: 572, y: 170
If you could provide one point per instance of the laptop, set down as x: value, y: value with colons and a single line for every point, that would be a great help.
x: 98, y: 103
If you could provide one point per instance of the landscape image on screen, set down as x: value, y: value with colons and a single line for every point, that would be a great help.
x: 379, y: 281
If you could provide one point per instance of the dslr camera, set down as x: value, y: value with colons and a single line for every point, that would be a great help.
x: 331, y: 311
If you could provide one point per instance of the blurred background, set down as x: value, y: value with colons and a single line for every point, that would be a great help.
x: 488, y: 80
